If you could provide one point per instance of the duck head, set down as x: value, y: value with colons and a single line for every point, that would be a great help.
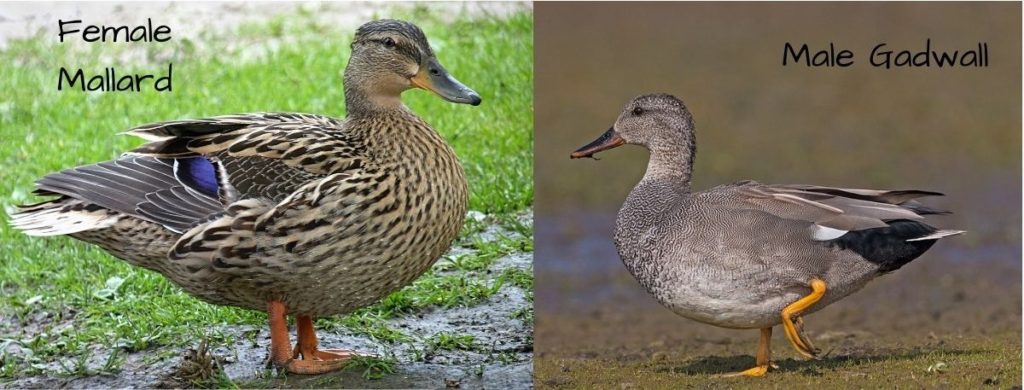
x: 392, y: 56
x: 658, y: 122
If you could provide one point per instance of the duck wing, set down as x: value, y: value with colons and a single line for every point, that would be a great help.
x: 192, y: 170
x: 881, y: 226
x: 286, y: 181
x: 251, y: 143
x: 164, y: 191
x: 840, y: 209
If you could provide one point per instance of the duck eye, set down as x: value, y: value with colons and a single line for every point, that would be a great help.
x: 388, y: 42
x: 637, y: 111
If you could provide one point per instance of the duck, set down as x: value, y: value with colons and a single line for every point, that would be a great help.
x: 749, y: 255
x: 289, y: 213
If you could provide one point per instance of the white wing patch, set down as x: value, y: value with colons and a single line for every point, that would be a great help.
x: 825, y: 233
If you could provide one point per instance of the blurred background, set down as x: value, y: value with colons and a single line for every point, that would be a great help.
x: 953, y: 130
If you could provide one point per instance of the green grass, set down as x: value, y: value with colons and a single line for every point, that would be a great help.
x: 371, y: 323
x: 373, y: 367
x: 486, y: 251
x: 960, y: 362
x: 450, y: 341
x: 74, y: 298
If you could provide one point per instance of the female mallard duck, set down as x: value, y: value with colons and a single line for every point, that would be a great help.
x: 750, y: 255
x: 283, y: 212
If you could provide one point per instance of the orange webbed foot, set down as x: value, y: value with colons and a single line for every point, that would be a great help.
x: 306, y: 358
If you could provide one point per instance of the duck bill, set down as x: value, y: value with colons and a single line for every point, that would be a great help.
x: 434, y: 78
x: 610, y: 139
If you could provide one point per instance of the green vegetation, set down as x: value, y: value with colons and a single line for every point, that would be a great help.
x: 373, y: 367
x: 449, y: 341
x: 958, y: 363
x: 64, y: 300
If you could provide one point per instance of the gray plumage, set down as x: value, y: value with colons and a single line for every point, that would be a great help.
x: 736, y: 255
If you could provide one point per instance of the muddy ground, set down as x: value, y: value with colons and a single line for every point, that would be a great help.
x: 502, y: 358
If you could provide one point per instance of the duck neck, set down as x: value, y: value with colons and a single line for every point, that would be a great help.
x: 360, y: 103
x: 369, y: 92
x: 666, y: 181
x: 671, y: 164
x: 665, y: 185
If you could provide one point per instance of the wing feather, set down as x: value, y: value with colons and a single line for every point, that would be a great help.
x: 223, y: 160
x: 835, y: 208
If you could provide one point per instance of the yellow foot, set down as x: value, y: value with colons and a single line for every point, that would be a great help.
x: 793, y: 323
x: 756, y: 371
x: 763, y: 358
x: 794, y: 332
x: 799, y: 325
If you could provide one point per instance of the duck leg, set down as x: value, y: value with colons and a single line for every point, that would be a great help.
x: 763, y: 356
x: 305, y: 358
x: 307, y: 346
x: 793, y: 323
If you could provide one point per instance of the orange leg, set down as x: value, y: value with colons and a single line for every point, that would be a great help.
x: 280, y: 346
x: 763, y: 356
x: 307, y: 345
x: 793, y: 323
x: 305, y: 358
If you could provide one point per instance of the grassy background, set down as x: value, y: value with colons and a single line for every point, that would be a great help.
x: 73, y: 299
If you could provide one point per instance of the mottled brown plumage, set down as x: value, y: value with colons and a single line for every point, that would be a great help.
x: 305, y: 212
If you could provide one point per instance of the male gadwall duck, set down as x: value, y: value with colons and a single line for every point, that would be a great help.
x: 289, y: 213
x: 750, y: 255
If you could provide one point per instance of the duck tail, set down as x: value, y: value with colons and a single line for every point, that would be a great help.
x: 920, y: 209
x: 937, y: 235
x: 893, y: 246
x: 61, y: 216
